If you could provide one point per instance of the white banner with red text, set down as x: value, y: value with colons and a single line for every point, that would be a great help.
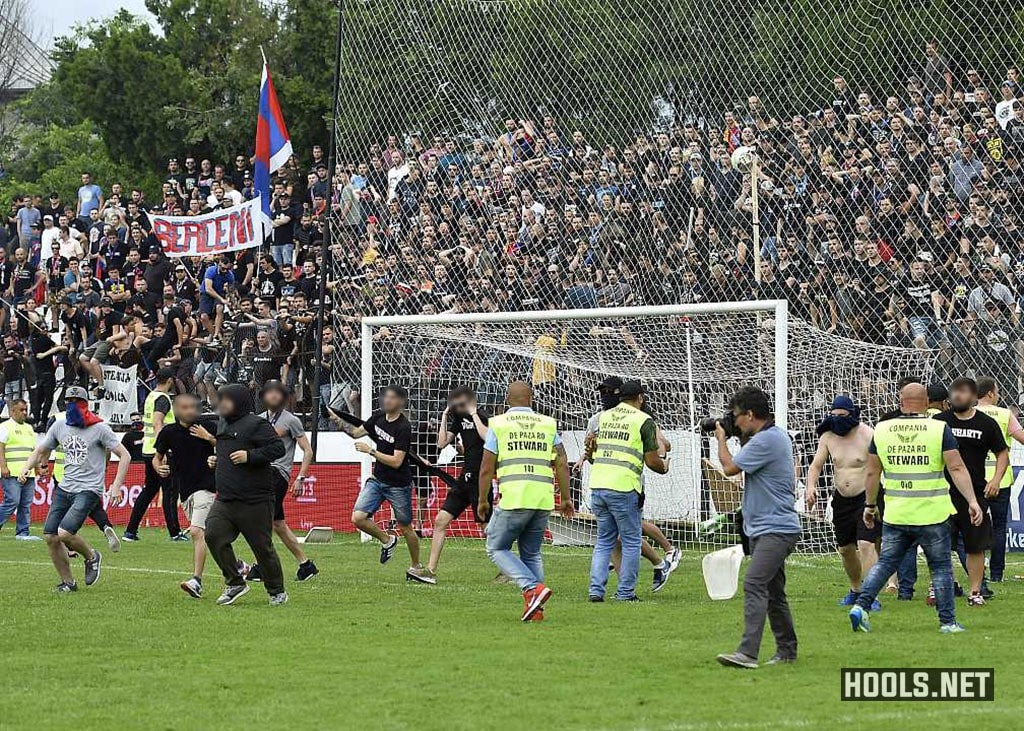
x: 230, y: 229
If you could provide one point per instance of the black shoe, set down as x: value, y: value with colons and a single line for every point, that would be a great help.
x: 306, y: 571
x: 594, y: 599
x: 986, y: 593
x: 92, y: 568
x: 957, y: 589
x: 660, y: 579
x: 254, y: 573
x: 130, y: 537
x: 66, y: 587
x: 629, y: 599
x: 388, y: 550
x: 905, y: 597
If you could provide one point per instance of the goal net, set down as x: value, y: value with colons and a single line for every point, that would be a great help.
x: 690, y: 358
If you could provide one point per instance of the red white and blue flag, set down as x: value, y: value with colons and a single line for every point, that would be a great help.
x: 273, y: 146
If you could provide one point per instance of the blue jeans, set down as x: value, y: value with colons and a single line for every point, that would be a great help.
x: 18, y: 502
x: 618, y: 518
x: 375, y: 493
x: 282, y: 254
x: 906, y: 574
x: 1000, y: 509
x: 897, y: 540
x: 527, y: 528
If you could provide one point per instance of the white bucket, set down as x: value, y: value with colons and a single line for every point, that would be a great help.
x: 722, y: 572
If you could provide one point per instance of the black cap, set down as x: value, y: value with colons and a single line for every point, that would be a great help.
x: 631, y: 389
x: 611, y: 384
x: 937, y: 392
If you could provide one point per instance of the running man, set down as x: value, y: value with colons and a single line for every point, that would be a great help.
x: 287, y: 425
x: 977, y: 435
x: 85, y: 440
x: 391, y: 481
x: 525, y: 454
x: 464, y: 424
x: 156, y: 412
x: 844, y: 439
x: 183, y: 457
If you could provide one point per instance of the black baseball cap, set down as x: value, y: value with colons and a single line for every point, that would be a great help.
x: 631, y: 389
x: 611, y: 384
x: 937, y: 392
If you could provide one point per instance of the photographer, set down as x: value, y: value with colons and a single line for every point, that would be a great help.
x: 769, y: 520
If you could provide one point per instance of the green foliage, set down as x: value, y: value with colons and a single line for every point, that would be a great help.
x: 52, y: 157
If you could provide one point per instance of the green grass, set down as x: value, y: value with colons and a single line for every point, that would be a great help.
x: 359, y: 647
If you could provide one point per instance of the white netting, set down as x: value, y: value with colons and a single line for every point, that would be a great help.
x: 690, y: 363
x: 517, y: 155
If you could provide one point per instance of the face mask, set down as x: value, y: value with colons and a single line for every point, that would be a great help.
x: 839, y: 425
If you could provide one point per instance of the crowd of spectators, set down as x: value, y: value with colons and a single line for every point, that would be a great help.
x: 888, y: 216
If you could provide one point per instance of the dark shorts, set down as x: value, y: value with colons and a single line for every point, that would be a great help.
x: 977, y: 538
x: 848, y: 521
x: 68, y: 511
x: 207, y: 304
x: 280, y: 491
x: 466, y: 495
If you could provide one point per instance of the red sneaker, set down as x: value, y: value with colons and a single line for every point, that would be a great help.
x: 535, y: 600
x: 538, y: 616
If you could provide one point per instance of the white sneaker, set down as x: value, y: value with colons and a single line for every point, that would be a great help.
x: 27, y: 538
x: 279, y: 599
x: 231, y: 593
x: 193, y: 588
x: 112, y: 540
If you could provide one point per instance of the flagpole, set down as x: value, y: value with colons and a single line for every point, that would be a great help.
x: 332, y: 153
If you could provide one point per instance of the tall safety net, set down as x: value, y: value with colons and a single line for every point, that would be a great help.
x: 690, y: 359
x: 542, y: 155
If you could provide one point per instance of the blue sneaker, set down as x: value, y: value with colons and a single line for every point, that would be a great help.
x: 876, y: 606
x: 952, y: 629
x: 850, y: 599
x: 859, y: 619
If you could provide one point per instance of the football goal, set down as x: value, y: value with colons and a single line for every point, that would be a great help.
x: 690, y: 358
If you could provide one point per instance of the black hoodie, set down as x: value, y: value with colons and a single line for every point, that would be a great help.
x: 252, y: 481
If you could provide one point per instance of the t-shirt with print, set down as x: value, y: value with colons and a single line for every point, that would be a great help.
x: 288, y: 423
x: 85, y: 454
x: 463, y: 427
x: 390, y: 437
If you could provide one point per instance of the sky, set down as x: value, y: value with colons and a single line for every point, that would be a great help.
x: 56, y: 17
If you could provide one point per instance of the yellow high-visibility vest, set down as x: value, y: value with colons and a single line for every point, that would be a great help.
x: 148, y: 429
x: 619, y: 453
x: 526, y: 475
x: 21, y: 440
x: 1002, y: 417
x: 910, y: 450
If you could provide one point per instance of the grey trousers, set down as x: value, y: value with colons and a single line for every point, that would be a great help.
x: 764, y: 595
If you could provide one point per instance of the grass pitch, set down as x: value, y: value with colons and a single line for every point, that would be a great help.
x: 358, y: 647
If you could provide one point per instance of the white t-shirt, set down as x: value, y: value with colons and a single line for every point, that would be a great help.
x: 1004, y: 112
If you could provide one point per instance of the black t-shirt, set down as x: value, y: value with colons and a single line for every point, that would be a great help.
x: 266, y: 365
x: 24, y: 278
x: 975, y: 437
x: 132, y: 441
x: 187, y: 457
x: 390, y: 437
x: 462, y: 426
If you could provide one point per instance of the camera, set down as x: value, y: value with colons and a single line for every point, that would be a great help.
x: 707, y: 425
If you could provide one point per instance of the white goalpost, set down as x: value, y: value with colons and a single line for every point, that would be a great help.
x: 691, y: 358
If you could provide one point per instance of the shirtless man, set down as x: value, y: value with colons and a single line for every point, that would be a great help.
x: 844, y: 439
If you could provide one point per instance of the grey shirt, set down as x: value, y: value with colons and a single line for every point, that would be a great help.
x: 289, y: 423
x: 769, y: 487
x: 85, y: 454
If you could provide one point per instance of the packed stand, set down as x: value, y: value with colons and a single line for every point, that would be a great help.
x: 890, y: 219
